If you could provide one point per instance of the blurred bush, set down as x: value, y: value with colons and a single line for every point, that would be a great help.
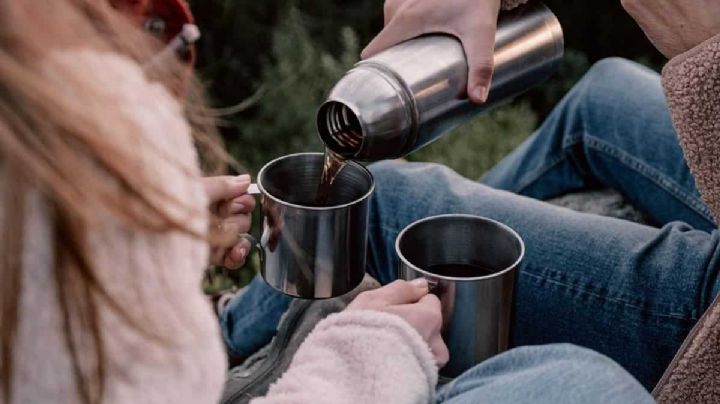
x: 294, y: 82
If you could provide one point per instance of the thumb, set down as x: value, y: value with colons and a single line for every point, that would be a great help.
x: 225, y: 188
x: 480, y: 52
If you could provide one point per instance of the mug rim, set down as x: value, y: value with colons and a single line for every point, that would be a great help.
x: 499, y: 273
x: 317, y: 208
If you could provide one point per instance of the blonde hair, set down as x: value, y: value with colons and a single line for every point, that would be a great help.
x: 48, y: 143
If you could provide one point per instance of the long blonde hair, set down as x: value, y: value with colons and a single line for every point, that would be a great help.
x: 50, y: 144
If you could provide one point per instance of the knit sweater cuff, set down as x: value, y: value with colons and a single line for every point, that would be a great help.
x: 510, y: 4
x: 692, y: 86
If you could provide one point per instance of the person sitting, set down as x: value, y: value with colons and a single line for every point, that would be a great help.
x: 107, y: 231
x: 627, y: 290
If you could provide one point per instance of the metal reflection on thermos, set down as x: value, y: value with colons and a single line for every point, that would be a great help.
x: 409, y: 95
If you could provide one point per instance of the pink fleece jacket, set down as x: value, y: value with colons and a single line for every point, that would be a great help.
x: 359, y: 357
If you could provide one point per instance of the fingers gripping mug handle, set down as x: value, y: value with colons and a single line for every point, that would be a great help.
x: 256, y: 246
x: 253, y: 189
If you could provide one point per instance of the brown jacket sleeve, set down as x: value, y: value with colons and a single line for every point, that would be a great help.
x: 692, y: 87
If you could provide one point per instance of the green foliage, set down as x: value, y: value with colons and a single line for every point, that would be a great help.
x: 295, y: 81
x: 475, y: 147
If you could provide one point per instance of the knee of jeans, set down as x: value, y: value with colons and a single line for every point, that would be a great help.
x: 587, y: 365
x: 384, y: 171
x: 609, y: 83
x: 556, y: 372
x: 610, y: 69
x: 612, y: 79
x: 388, y: 175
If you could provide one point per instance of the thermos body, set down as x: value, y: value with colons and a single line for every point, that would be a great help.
x: 409, y: 95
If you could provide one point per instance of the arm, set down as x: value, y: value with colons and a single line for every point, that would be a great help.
x: 359, y: 356
x: 692, y: 85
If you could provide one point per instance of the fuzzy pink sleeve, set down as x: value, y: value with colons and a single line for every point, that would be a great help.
x: 359, y: 357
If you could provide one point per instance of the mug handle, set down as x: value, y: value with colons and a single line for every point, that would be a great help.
x: 253, y: 189
x: 433, y: 285
x: 255, y: 246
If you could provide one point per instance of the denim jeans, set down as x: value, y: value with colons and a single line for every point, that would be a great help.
x: 629, y: 291
x: 553, y: 374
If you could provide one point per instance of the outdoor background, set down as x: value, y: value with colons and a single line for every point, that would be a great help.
x: 274, y: 60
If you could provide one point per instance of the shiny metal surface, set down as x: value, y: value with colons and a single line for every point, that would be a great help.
x: 476, y: 309
x: 407, y: 96
x: 313, y: 252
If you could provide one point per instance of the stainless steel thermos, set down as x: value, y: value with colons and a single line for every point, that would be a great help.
x: 409, y: 95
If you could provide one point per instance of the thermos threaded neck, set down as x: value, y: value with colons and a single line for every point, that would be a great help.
x: 340, y: 129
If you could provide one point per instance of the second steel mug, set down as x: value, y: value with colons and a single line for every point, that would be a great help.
x: 477, y: 301
x: 307, y: 251
x: 410, y: 94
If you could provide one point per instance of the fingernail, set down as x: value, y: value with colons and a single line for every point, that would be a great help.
x: 481, y: 93
x: 420, y: 283
x: 242, y: 178
x: 243, y: 252
x: 239, y: 205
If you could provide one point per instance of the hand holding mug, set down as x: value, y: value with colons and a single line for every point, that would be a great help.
x: 231, y: 216
x: 414, y: 304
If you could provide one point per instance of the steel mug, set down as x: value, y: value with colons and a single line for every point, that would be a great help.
x: 476, y: 305
x: 308, y: 251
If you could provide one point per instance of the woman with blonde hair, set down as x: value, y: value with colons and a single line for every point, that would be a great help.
x: 103, y: 214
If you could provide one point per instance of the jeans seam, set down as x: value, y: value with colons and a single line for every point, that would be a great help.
x: 692, y: 316
x: 650, y: 173
x: 552, y: 163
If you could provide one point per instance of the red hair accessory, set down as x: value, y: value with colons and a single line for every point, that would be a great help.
x: 165, y: 18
